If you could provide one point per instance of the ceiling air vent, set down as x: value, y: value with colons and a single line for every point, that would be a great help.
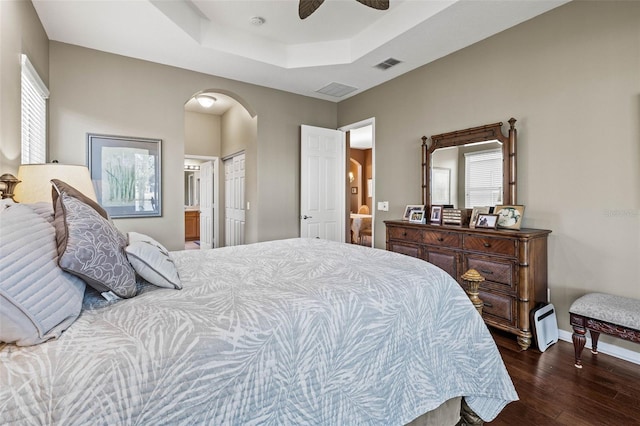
x: 386, y: 64
x: 336, y: 89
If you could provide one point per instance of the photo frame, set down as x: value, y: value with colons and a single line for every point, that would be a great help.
x: 417, y: 216
x: 435, y: 216
x: 488, y: 221
x: 126, y: 174
x: 509, y: 216
x: 475, y: 212
x: 409, y: 208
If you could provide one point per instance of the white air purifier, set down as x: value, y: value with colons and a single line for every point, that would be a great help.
x: 545, y: 326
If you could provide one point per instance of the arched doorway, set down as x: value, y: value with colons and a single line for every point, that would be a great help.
x: 221, y: 128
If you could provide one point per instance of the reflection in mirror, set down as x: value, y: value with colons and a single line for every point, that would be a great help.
x: 471, y: 167
x: 467, y: 176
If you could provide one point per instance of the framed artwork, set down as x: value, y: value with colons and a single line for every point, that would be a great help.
x: 410, y: 208
x: 417, y: 216
x: 509, y: 217
x: 475, y: 212
x: 489, y: 221
x: 126, y: 174
x: 354, y: 189
x: 435, y: 217
x: 440, y: 185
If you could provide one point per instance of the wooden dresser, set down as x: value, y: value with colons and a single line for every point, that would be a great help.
x: 514, y: 264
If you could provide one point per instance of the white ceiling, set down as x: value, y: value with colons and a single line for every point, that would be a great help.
x: 340, y: 43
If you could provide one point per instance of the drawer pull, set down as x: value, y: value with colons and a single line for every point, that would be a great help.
x: 487, y: 245
x: 404, y: 234
x: 484, y: 271
x: 487, y: 304
x: 440, y: 239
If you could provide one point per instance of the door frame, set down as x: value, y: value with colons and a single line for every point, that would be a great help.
x: 363, y: 123
x: 219, y: 203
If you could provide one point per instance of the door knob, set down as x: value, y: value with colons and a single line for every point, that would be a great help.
x: 307, y: 217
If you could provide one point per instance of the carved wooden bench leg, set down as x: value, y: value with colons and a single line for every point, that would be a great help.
x: 579, y: 341
x: 594, y: 341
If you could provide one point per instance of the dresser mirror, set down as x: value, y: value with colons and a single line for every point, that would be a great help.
x: 470, y: 168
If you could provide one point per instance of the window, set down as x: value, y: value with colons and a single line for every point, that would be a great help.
x: 34, y: 115
x: 483, y: 178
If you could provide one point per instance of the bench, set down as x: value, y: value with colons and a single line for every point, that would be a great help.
x: 603, y: 313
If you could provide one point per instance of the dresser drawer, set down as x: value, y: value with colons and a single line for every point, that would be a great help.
x: 493, y: 245
x: 406, y: 234
x: 501, y: 272
x: 442, y: 238
x: 498, y: 308
x: 408, y: 249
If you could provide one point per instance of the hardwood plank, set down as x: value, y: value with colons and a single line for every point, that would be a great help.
x: 553, y: 392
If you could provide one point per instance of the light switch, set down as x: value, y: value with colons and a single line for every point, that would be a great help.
x: 383, y: 206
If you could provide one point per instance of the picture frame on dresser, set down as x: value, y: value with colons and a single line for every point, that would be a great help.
x: 409, y: 209
x: 475, y: 212
x: 435, y: 215
x: 509, y: 216
x: 417, y: 216
x: 487, y: 221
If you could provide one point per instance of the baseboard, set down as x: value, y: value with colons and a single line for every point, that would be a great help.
x: 605, y: 348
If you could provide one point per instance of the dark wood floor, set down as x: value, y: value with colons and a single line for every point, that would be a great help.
x: 606, y: 391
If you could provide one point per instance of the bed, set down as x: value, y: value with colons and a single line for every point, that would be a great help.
x: 295, y: 331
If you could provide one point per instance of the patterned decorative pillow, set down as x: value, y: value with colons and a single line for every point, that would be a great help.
x: 89, y: 246
x: 39, y: 300
x: 152, y: 261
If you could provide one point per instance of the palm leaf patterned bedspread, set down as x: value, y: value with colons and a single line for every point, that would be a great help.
x: 290, y: 332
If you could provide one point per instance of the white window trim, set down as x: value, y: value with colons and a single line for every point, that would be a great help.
x: 34, y: 95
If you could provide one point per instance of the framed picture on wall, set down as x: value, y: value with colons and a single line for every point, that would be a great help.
x: 126, y: 174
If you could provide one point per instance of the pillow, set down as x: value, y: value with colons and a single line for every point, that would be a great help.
x: 152, y: 262
x: 89, y: 246
x: 39, y: 300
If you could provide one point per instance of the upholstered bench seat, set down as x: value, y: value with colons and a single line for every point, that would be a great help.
x: 599, y: 312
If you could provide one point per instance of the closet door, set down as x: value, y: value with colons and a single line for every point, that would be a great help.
x: 234, y: 184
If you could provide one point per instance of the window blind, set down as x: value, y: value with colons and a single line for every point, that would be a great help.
x: 34, y: 115
x: 483, y: 178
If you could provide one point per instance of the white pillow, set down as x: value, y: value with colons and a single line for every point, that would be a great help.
x: 151, y: 261
x: 38, y: 299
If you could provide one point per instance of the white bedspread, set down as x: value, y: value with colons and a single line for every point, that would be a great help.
x: 278, y: 333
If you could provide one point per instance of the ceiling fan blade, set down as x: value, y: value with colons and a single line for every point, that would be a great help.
x: 376, y: 4
x: 307, y: 7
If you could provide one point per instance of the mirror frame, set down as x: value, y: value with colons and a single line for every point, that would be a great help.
x: 475, y: 134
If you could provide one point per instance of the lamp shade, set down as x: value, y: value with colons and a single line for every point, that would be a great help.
x: 36, y: 181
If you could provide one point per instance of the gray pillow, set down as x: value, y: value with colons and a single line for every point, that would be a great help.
x: 151, y: 261
x: 89, y: 246
x: 39, y: 300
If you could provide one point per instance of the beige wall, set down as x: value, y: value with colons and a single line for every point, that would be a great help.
x: 202, y: 134
x: 20, y: 32
x: 99, y: 92
x: 572, y: 79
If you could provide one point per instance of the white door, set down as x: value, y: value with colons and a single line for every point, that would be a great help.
x: 209, y: 202
x: 234, y: 200
x: 322, y: 183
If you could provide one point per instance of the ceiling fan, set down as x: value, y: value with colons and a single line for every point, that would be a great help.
x: 307, y: 7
